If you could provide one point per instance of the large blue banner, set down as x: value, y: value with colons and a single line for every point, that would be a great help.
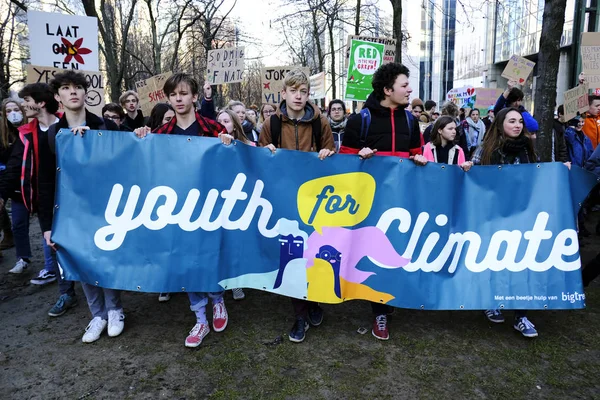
x: 174, y: 213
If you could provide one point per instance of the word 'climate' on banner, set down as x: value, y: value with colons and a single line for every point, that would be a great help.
x: 63, y: 41
x: 576, y: 101
x: 94, y: 99
x: 590, y: 58
x: 272, y: 82
x: 225, y: 65
x: 151, y: 91
x: 328, y: 231
x: 389, y: 53
x: 518, y: 69
x: 365, y: 59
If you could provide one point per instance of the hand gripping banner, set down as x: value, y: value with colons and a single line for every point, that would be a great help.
x: 174, y: 213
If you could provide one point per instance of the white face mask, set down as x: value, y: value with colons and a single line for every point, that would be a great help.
x: 15, y: 117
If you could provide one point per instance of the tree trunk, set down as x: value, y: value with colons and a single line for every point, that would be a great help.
x: 397, y: 25
x: 548, y: 60
x: 331, y: 25
x: 357, y: 19
x: 321, y: 58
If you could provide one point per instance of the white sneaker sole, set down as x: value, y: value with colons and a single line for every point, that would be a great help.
x: 42, y: 282
x: 379, y: 337
x: 527, y: 335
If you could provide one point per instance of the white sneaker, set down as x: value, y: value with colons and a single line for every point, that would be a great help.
x: 238, y: 294
x: 94, y: 330
x: 19, y: 267
x: 115, y: 322
x: 164, y: 297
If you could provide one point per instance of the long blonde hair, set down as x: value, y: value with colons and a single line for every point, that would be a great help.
x: 7, y: 135
x: 238, y: 131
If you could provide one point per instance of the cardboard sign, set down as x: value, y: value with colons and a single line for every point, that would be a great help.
x: 151, y: 91
x: 576, y: 101
x: 365, y: 58
x: 94, y: 100
x: 225, y: 65
x: 590, y: 53
x: 272, y: 82
x: 317, y: 86
x: 389, y: 43
x: 485, y: 97
x: 463, y: 97
x: 518, y: 69
x: 63, y: 41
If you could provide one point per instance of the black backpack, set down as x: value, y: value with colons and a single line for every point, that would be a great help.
x: 276, y: 131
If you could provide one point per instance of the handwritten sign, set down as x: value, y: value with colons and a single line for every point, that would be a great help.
x: 518, y: 69
x: 225, y: 65
x: 576, y: 101
x: 151, y: 91
x: 462, y: 97
x: 272, y: 82
x: 389, y: 53
x: 317, y: 86
x: 63, y: 41
x: 590, y: 58
x: 486, y: 97
x: 94, y: 100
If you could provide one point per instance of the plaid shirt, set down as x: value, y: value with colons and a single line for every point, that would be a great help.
x: 208, y: 127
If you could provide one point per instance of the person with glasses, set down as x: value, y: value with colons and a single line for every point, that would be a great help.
x: 265, y: 113
x: 115, y: 113
x: 134, y: 119
x: 337, y: 120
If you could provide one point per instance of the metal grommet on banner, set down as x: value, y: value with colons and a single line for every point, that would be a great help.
x: 501, y: 306
x: 264, y: 288
x: 545, y: 306
x: 99, y: 133
x: 56, y: 206
x: 183, y: 289
x: 538, y: 165
x: 401, y: 160
x: 139, y: 288
x: 462, y: 307
x: 97, y: 283
x: 422, y: 307
x: 58, y: 169
x: 499, y: 167
x: 189, y: 139
x: 443, y: 167
x: 304, y: 297
x: 579, y: 204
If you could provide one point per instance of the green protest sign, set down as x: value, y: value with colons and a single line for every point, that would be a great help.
x: 365, y: 58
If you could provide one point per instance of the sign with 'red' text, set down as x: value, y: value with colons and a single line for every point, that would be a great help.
x: 63, y: 41
x: 365, y: 59
x: 151, y: 91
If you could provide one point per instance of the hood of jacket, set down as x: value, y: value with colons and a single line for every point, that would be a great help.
x: 311, y: 112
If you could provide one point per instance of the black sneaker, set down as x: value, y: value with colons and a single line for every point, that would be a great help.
x: 315, y: 315
x: 44, y: 277
x: 298, y: 332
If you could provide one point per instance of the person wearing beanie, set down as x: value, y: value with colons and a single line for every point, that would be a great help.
x: 417, y: 108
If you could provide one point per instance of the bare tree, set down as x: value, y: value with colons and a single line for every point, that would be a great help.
x: 12, y: 51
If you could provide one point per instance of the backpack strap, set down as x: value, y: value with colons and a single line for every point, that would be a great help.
x: 410, y: 120
x: 365, y: 123
x: 275, y: 129
x: 316, y: 133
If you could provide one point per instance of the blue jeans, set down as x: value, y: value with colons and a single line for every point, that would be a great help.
x: 20, y: 228
x: 51, y: 265
x: 101, y: 300
x: 199, y: 300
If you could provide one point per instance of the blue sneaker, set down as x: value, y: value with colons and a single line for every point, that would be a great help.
x: 62, y: 305
x: 494, y: 316
x: 315, y: 315
x: 525, y: 326
x: 298, y: 332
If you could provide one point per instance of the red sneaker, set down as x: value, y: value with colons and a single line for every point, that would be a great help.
x: 380, y: 329
x: 220, y: 317
x: 198, y: 332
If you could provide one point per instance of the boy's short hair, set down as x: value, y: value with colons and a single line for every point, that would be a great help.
x: 178, y: 78
x: 385, y: 77
x: 295, y: 78
x: 593, y: 98
x: 429, y: 104
x: 41, y: 92
x: 561, y: 110
x: 128, y: 93
x: 515, y: 94
x: 68, y: 77
x: 114, y: 107
x: 450, y: 109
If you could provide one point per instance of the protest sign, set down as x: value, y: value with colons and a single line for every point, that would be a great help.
x: 365, y: 58
x: 462, y: 97
x: 486, y: 97
x: 272, y: 82
x: 151, y: 91
x: 590, y: 53
x: 576, y: 101
x: 94, y: 100
x: 225, y: 65
x: 518, y: 69
x: 390, y: 47
x: 326, y: 231
x: 63, y: 41
x: 317, y: 86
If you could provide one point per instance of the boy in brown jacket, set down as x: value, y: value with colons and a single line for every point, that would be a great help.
x: 299, y: 125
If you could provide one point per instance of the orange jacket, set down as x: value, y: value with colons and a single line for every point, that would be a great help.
x: 591, y: 128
